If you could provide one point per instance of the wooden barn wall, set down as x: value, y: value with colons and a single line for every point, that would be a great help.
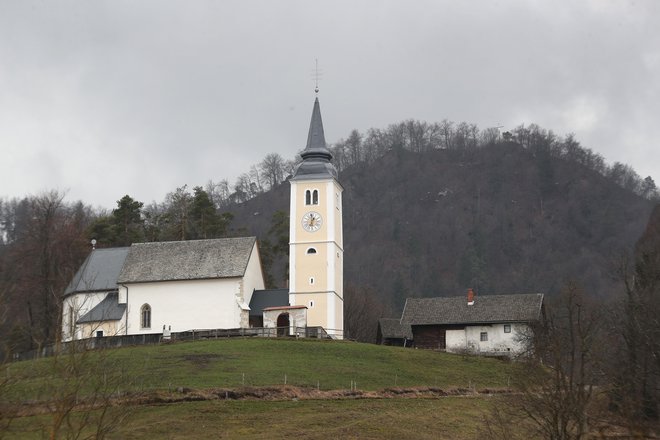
x: 432, y: 336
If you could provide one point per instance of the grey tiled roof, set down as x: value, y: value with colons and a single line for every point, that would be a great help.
x: 486, y: 309
x: 99, y: 271
x: 391, y: 328
x: 187, y: 260
x: 106, y: 310
x: 268, y: 298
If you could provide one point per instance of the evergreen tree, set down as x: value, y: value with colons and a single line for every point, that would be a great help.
x: 204, y: 220
x: 127, y: 222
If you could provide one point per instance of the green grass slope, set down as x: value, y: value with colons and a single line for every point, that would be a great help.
x: 447, y: 418
x: 233, y: 363
x: 45, y: 389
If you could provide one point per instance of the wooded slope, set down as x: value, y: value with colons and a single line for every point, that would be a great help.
x: 505, y: 220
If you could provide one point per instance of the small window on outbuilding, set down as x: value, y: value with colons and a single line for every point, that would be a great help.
x: 483, y: 336
x: 99, y: 333
x: 311, y: 251
x: 145, y: 316
x: 507, y: 328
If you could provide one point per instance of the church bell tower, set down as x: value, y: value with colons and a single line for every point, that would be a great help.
x: 316, y: 260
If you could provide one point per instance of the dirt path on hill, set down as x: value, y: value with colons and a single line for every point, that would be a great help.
x: 274, y: 393
x: 304, y: 393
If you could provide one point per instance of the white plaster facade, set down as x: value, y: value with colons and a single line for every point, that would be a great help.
x: 192, y: 304
x: 73, y: 307
x: 498, y: 340
x: 206, y: 284
x: 297, y: 316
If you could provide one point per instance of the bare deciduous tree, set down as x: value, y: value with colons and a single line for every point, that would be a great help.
x: 557, y: 381
x: 362, y: 309
x: 272, y: 169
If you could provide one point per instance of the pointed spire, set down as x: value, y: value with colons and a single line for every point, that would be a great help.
x: 316, y: 138
x: 316, y: 156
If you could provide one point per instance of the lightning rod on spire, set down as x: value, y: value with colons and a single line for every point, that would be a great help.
x: 316, y: 75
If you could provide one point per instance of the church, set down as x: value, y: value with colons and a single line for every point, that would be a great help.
x: 219, y: 284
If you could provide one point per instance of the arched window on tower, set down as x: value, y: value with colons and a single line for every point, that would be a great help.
x: 145, y: 316
x: 308, y: 197
x: 315, y: 197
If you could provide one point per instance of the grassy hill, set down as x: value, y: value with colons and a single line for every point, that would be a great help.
x: 143, y: 379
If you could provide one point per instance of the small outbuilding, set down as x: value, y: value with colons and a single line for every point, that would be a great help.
x: 392, y: 332
x: 497, y: 325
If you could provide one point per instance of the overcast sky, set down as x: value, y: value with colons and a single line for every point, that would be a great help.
x: 106, y: 98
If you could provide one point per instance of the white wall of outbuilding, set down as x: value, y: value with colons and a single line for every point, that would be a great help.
x: 499, y: 342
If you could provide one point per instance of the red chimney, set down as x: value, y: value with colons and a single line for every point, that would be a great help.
x: 470, y: 295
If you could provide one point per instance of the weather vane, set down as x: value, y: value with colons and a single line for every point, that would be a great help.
x: 316, y: 75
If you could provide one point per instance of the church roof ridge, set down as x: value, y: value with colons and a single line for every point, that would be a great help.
x: 187, y: 260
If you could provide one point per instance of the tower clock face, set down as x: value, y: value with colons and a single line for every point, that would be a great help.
x: 312, y: 221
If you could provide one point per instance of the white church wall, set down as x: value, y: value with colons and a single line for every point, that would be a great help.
x: 107, y: 328
x: 75, y: 306
x: 185, y: 305
x: 254, y: 278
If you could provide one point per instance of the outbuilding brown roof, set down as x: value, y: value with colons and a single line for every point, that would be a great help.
x: 486, y: 309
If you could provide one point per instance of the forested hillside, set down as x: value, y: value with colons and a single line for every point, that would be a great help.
x: 501, y: 220
x: 429, y: 209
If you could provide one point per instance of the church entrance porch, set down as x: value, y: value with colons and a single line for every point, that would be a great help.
x: 283, y: 325
x: 288, y: 320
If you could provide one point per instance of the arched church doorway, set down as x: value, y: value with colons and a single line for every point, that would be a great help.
x: 283, y: 324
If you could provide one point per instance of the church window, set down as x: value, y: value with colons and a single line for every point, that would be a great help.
x: 308, y: 197
x: 311, y: 280
x: 311, y: 304
x: 311, y: 251
x: 338, y: 203
x: 315, y: 197
x: 145, y: 316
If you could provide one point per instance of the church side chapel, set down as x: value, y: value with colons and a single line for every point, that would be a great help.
x: 180, y: 286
